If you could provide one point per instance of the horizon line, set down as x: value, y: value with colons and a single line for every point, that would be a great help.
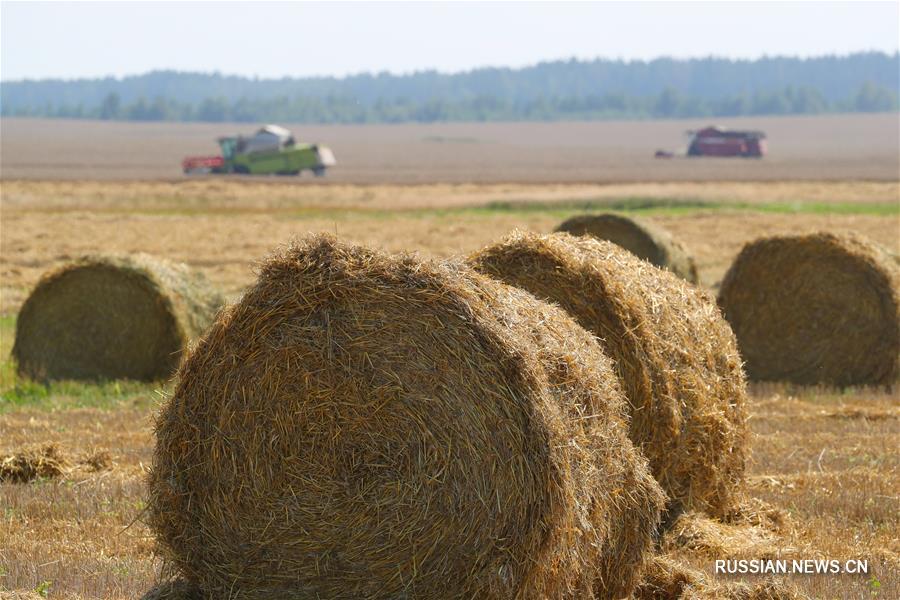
x: 401, y: 74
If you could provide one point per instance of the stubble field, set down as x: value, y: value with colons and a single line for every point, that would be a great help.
x: 832, y: 147
x: 225, y: 227
x: 826, y: 459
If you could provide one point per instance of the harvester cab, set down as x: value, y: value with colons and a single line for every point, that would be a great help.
x: 228, y: 146
x: 272, y: 150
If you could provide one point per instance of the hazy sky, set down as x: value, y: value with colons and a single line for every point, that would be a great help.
x: 71, y: 40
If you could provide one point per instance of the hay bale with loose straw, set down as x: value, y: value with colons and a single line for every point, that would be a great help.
x: 110, y: 317
x: 362, y: 425
x: 674, y: 354
x: 643, y: 239
x: 818, y: 308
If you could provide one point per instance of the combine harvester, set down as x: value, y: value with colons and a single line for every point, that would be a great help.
x: 270, y: 151
x: 719, y: 141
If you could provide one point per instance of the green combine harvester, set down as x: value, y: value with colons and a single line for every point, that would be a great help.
x: 270, y: 151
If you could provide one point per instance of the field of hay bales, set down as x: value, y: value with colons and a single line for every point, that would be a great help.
x: 823, y: 472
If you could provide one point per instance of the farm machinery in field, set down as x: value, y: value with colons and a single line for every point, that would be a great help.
x: 272, y: 150
x: 719, y: 141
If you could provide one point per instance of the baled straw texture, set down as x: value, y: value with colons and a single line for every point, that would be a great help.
x: 819, y: 308
x: 674, y: 354
x: 109, y: 317
x: 362, y: 425
x: 172, y: 590
x: 643, y: 239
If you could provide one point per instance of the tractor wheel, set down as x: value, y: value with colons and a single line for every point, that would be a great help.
x: 319, y: 171
x: 241, y: 170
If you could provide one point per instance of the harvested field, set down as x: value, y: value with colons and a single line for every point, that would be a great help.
x: 254, y: 196
x: 223, y: 227
x: 808, y: 147
x: 827, y: 459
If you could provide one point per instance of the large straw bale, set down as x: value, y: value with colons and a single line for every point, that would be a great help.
x: 819, y: 308
x: 642, y: 238
x: 362, y: 425
x: 109, y: 317
x: 674, y: 354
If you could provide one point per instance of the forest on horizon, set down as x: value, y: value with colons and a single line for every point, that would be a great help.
x: 557, y: 90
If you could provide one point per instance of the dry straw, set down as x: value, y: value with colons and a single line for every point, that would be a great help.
x: 673, y: 352
x: 43, y: 462
x: 362, y: 425
x: 819, y: 308
x: 20, y: 595
x: 641, y: 238
x: 702, y: 536
x: 668, y: 578
x: 694, y: 541
x: 108, y: 317
x: 48, y: 461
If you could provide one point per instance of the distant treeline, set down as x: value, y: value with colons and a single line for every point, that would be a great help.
x: 599, y: 89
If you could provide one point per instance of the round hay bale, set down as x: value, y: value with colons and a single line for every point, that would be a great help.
x: 674, y: 354
x: 173, y: 590
x: 818, y: 308
x: 111, y: 317
x: 645, y: 240
x: 362, y: 425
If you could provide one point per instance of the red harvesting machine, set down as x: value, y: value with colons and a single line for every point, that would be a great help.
x: 718, y: 141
